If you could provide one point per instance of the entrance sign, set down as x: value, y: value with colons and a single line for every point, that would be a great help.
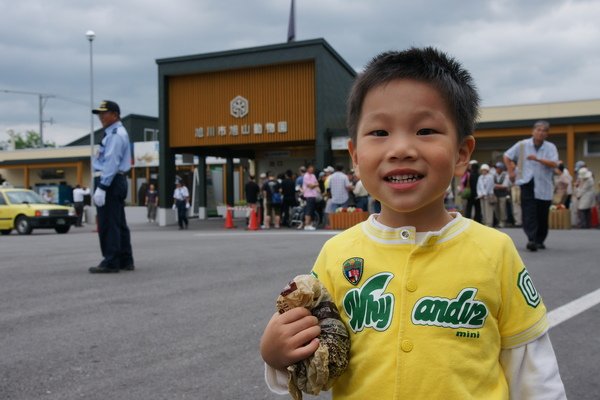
x: 239, y: 107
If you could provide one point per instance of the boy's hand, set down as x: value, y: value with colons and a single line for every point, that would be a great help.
x: 289, y: 338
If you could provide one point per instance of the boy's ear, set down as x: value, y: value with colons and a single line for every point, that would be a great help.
x: 464, y: 155
x: 352, y: 151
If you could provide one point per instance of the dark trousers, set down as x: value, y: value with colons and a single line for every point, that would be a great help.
x: 473, y: 203
x: 182, y: 218
x: 79, y: 211
x: 535, y: 214
x: 115, y: 239
x: 585, y: 218
x: 362, y: 202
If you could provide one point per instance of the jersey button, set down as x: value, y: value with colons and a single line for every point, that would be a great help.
x: 406, y: 346
x: 405, y: 234
x: 411, y: 286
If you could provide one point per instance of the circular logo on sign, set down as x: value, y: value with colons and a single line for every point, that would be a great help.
x: 239, y: 107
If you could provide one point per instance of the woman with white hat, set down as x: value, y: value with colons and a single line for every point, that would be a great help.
x: 584, y: 192
x: 485, y: 194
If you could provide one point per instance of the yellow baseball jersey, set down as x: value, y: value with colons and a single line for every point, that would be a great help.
x: 428, y: 320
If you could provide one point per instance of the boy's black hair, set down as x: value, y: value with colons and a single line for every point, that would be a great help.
x: 428, y: 65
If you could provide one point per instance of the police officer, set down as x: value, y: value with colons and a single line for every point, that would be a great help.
x: 111, y: 166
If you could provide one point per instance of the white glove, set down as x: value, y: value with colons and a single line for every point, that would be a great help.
x: 99, y: 197
x: 187, y: 205
x: 174, y: 207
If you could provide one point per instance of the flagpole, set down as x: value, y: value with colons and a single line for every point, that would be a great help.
x: 292, y: 24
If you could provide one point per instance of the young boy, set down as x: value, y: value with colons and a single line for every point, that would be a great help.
x: 437, y: 305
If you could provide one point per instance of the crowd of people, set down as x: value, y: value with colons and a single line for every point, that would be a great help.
x: 522, y: 188
x: 318, y: 194
x: 488, y: 196
x: 486, y: 193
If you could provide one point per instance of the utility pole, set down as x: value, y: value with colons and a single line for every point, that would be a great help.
x: 42, y: 97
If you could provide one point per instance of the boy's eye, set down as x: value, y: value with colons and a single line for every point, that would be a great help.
x: 425, y: 131
x: 378, y: 133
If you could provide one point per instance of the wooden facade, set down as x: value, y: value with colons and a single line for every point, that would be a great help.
x: 280, y: 98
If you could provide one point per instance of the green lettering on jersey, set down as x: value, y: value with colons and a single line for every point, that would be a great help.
x: 462, y: 312
x: 369, y: 306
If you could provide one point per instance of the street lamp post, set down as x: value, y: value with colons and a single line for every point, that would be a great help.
x: 90, y: 36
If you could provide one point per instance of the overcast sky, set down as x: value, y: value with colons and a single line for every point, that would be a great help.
x: 518, y: 51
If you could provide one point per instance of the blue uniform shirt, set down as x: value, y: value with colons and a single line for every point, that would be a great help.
x: 542, y: 176
x: 114, y: 155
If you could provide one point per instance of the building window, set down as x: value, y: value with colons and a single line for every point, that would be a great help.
x: 591, y: 146
x: 150, y: 135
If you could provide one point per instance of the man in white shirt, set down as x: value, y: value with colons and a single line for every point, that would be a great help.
x: 339, y: 185
x: 78, y: 196
x: 536, y: 159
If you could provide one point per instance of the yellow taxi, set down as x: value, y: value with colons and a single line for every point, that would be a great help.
x: 24, y: 210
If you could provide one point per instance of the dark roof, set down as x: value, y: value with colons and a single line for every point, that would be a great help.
x: 252, y: 56
x: 134, y: 123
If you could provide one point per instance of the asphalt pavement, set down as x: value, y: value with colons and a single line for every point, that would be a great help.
x: 186, y: 323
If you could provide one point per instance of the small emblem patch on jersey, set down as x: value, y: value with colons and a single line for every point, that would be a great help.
x: 532, y: 297
x: 353, y: 269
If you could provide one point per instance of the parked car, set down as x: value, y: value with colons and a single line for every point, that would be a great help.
x: 25, y: 210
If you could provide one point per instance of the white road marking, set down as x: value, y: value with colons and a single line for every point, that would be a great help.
x: 576, y: 307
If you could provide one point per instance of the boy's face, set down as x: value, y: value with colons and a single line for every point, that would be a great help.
x: 407, y: 152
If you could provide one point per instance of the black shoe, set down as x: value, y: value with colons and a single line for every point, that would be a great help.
x: 103, y: 270
x: 127, y: 268
x: 531, y: 246
x: 540, y: 246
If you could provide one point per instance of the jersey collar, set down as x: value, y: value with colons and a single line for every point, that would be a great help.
x: 380, y: 233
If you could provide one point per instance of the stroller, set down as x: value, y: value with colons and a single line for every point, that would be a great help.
x: 297, y: 215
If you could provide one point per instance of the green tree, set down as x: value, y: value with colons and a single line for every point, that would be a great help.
x: 31, y: 139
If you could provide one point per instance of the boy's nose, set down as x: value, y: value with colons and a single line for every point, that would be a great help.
x: 402, y: 146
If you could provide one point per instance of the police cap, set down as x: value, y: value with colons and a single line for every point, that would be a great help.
x: 107, y: 105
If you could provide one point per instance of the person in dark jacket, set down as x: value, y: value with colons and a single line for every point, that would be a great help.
x: 288, y: 188
x: 472, y: 200
x: 251, y: 191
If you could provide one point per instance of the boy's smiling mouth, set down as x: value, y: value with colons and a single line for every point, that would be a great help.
x: 403, y: 178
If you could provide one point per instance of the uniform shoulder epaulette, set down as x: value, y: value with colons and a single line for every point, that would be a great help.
x: 114, y: 131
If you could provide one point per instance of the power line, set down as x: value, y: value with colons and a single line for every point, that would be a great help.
x: 42, y: 99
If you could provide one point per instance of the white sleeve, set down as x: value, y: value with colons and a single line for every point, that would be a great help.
x: 532, y: 371
x: 276, y: 380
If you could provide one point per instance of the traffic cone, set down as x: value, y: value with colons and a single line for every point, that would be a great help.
x: 229, y: 219
x: 253, y: 221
